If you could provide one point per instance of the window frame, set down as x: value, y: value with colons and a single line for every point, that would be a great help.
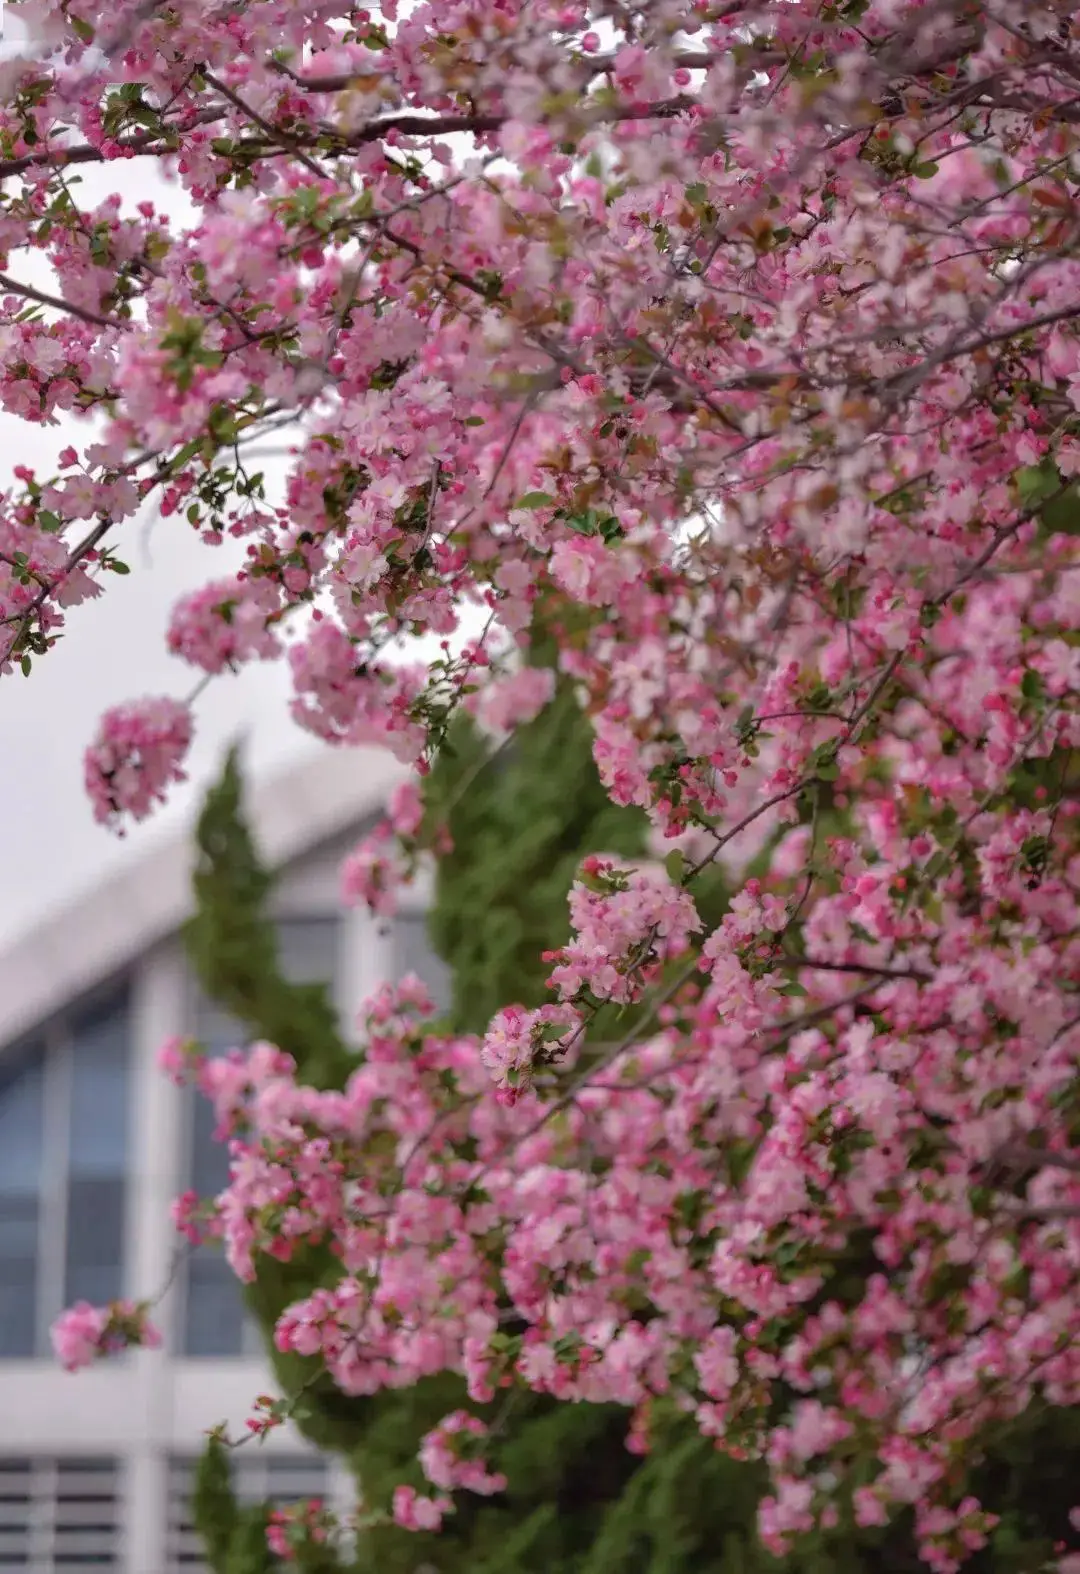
x: 253, y: 1482
x: 413, y: 909
x: 52, y: 1535
x: 55, y: 1042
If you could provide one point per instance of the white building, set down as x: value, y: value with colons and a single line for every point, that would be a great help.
x: 95, y: 1143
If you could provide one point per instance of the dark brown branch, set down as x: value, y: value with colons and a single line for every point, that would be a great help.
x: 1046, y: 1214
x: 688, y: 59
x: 852, y: 967
x: 1040, y: 1158
x: 281, y: 137
x: 411, y: 124
x: 29, y: 293
x: 149, y: 142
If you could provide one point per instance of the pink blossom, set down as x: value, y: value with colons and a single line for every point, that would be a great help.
x: 450, y: 1459
x: 513, y: 700
x: 373, y: 872
x: 136, y: 756
x: 84, y: 1333
x: 414, y: 1512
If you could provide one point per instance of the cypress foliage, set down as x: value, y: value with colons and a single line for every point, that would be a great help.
x: 232, y: 945
x: 214, y: 1509
x: 522, y: 817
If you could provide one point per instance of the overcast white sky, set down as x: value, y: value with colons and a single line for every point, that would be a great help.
x: 113, y: 650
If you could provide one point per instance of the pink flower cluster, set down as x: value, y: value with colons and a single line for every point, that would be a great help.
x: 513, y: 700
x: 374, y: 872
x: 626, y: 923
x: 414, y: 1512
x: 85, y: 1333
x: 518, y: 1040
x: 138, y: 754
x: 450, y: 1456
x: 296, y: 1526
x: 225, y: 624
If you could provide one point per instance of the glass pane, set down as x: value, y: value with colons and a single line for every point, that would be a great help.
x: 97, y: 1154
x: 22, y: 1086
x: 209, y: 1159
x: 414, y: 953
x: 215, y: 1313
x: 22, y: 1103
x: 216, y: 1031
x: 100, y: 1061
x: 308, y: 950
x: 18, y: 1276
x: 18, y: 1228
x: 95, y: 1241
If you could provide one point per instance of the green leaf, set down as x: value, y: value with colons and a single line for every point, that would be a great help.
x: 823, y: 762
x: 740, y: 1159
x: 675, y: 864
x: 1037, y: 483
x: 536, y: 500
x: 188, y: 451
x: 584, y: 524
x: 1061, y: 516
x: 1031, y: 685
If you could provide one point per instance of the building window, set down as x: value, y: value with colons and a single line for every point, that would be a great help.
x: 59, y: 1514
x: 215, y: 1321
x: 22, y: 1118
x: 97, y: 1158
x: 413, y: 953
x: 64, y: 1117
x: 260, y: 1478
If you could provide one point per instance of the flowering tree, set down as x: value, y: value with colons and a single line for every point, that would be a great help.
x: 740, y: 339
x: 577, y: 1501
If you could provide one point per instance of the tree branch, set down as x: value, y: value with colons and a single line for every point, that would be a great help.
x: 687, y: 59
x: 29, y: 293
x: 83, y: 153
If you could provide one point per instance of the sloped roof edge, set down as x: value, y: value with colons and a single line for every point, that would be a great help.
x: 103, y: 930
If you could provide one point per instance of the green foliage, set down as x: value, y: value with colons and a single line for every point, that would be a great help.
x: 234, y: 1535
x: 564, y: 1465
x: 233, y: 947
x: 214, y: 1510
x: 522, y: 817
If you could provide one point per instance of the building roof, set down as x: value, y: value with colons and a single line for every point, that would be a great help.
x: 103, y: 931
